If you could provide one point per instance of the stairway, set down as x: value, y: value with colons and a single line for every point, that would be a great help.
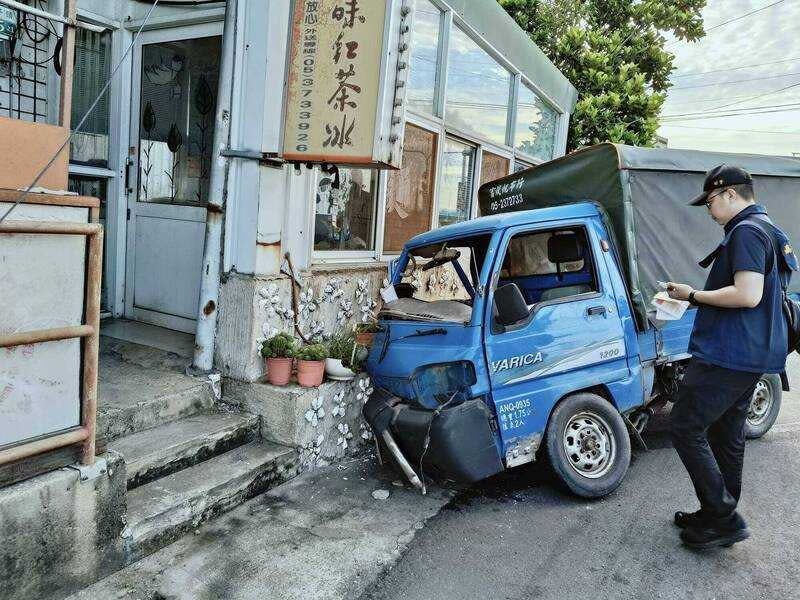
x: 187, y: 459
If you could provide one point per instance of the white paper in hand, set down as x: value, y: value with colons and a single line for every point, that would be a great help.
x: 668, y: 309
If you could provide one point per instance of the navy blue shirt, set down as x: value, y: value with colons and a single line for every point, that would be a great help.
x: 744, y: 339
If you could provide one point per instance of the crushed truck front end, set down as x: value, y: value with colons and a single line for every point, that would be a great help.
x: 432, y: 399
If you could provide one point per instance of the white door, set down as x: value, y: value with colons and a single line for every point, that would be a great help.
x: 173, y: 105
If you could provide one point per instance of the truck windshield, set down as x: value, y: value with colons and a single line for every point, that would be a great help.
x: 440, y: 281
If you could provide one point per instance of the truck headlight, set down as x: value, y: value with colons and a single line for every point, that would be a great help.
x: 435, y: 385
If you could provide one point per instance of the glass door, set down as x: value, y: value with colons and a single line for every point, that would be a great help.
x: 176, y: 75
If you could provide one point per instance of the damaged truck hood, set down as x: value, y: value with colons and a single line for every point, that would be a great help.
x: 404, y: 348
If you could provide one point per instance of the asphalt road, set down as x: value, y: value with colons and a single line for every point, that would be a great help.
x: 521, y: 537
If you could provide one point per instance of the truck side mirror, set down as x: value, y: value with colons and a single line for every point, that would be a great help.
x: 510, y: 304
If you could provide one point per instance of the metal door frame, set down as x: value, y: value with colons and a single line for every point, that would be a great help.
x: 180, y: 33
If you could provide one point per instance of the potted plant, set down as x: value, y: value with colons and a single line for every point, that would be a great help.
x: 341, y: 354
x: 279, y: 352
x: 365, y: 333
x: 311, y: 364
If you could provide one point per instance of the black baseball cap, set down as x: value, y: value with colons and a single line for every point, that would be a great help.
x: 721, y: 177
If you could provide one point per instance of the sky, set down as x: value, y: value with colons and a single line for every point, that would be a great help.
x: 733, y: 50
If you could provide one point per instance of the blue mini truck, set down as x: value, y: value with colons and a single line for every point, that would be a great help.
x: 530, y: 329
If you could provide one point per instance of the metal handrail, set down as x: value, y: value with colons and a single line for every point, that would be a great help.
x: 89, y: 332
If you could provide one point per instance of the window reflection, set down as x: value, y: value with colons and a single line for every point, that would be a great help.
x: 478, y: 90
x: 424, y: 57
x: 345, y: 216
x: 91, y: 72
x: 455, y: 195
x: 176, y: 126
x: 493, y: 167
x: 520, y: 166
x: 409, y: 194
x: 535, y: 131
x: 96, y: 187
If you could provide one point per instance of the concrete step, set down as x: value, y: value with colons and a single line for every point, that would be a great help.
x: 163, y: 450
x: 140, y: 388
x: 162, y: 511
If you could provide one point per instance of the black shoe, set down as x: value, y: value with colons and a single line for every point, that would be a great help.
x: 704, y: 538
x: 684, y: 520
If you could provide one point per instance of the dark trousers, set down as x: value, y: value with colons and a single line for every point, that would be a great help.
x: 708, y: 433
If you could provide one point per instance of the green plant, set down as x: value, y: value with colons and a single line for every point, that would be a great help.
x: 341, y: 346
x: 355, y: 364
x: 615, y: 53
x: 311, y: 352
x: 368, y: 327
x: 281, y: 345
x: 345, y: 348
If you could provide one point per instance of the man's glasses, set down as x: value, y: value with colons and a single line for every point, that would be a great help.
x: 711, y: 198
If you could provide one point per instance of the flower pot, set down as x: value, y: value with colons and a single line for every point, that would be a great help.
x: 310, y: 372
x: 279, y: 370
x: 365, y: 339
x: 335, y: 370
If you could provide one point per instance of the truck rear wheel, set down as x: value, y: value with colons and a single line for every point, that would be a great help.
x: 588, y: 445
x: 764, y: 407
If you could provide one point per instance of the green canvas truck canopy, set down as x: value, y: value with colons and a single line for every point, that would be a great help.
x: 644, y: 193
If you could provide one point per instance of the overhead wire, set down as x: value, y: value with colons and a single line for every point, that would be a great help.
x: 722, y: 116
x: 734, y: 130
x: 82, y: 122
x: 718, y: 25
x: 764, y: 64
x: 732, y: 110
x: 721, y: 83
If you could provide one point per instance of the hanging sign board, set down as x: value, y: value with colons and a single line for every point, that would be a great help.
x: 347, y: 66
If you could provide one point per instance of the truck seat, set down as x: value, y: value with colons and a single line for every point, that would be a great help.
x: 563, y: 292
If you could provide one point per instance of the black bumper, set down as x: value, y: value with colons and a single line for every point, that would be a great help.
x: 462, y: 446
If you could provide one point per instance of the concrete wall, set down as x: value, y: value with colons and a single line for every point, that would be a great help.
x: 323, y: 424
x: 253, y: 309
x: 59, y: 534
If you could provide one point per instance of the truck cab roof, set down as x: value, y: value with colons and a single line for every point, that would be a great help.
x: 578, y: 210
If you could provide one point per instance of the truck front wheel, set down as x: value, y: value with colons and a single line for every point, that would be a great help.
x: 588, y: 445
x: 764, y: 406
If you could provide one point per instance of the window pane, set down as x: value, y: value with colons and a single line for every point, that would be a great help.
x: 493, y: 167
x: 455, y: 195
x: 176, y: 121
x: 92, y: 69
x: 527, y: 256
x: 478, y: 90
x: 29, y: 89
x: 409, y: 194
x: 97, y: 188
x: 520, y: 166
x: 424, y: 57
x: 345, y: 217
x: 535, y: 131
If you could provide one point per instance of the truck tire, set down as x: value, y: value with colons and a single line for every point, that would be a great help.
x: 588, y: 445
x: 764, y: 407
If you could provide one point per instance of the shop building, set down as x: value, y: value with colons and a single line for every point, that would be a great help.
x: 304, y: 249
x: 482, y: 101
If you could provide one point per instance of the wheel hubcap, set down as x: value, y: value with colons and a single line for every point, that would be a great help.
x: 760, y: 404
x: 589, y: 445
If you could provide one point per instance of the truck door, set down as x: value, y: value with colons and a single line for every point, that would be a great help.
x: 572, y: 337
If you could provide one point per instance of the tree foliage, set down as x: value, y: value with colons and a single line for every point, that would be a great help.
x: 613, y: 52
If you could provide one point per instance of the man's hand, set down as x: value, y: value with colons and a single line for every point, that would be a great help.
x: 679, y: 291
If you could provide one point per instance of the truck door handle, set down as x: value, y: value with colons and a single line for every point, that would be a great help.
x: 596, y: 310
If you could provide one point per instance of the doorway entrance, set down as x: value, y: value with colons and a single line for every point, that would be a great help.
x: 173, y: 107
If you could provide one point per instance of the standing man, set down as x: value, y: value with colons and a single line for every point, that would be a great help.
x: 739, y: 334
